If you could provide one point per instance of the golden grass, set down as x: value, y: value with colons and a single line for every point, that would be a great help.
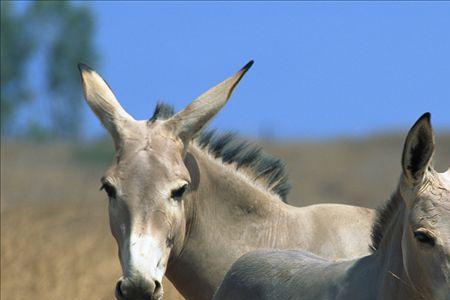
x: 55, y: 238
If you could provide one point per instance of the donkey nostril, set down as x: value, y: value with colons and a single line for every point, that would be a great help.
x: 157, y: 287
x: 118, y: 292
x: 138, y: 288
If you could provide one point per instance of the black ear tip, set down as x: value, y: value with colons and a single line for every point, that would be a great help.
x: 426, y: 117
x: 248, y: 66
x: 83, y: 67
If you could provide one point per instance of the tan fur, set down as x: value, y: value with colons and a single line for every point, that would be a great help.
x: 411, y: 258
x: 194, y: 238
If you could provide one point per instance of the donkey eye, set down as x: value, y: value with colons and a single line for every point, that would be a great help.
x: 109, y: 189
x: 424, y: 237
x: 179, y: 192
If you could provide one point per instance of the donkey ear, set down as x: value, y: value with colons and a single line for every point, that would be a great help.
x: 188, y: 122
x: 103, y: 102
x: 418, y: 150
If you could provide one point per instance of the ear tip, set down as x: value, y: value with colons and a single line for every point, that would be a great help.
x: 83, y: 67
x: 247, y: 66
x: 426, y: 117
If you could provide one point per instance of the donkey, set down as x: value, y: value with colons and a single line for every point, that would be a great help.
x: 187, y: 205
x: 410, y: 242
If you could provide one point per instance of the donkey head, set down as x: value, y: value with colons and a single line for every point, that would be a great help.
x: 148, y: 182
x: 426, y: 228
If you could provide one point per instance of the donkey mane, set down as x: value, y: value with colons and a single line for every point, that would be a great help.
x: 384, y: 214
x: 263, y: 168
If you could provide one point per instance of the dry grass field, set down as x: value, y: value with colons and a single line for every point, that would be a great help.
x: 55, y: 239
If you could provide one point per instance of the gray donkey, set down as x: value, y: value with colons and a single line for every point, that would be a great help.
x: 410, y: 242
x: 187, y: 205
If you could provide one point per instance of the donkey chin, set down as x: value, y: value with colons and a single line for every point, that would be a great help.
x: 138, y: 288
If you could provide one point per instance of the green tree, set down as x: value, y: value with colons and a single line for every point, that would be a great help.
x: 64, y: 32
x: 16, y: 48
x: 69, y: 33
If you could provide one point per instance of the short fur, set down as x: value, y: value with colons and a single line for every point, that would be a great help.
x: 383, y: 218
x: 410, y: 244
x: 231, y: 149
x: 230, y: 203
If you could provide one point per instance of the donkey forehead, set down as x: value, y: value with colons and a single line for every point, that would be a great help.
x: 150, y: 137
x: 433, y: 204
x: 149, y: 151
x: 440, y: 184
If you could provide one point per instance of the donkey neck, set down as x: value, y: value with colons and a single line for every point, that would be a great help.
x: 227, y: 215
x: 387, y: 278
x: 392, y: 274
x: 223, y: 185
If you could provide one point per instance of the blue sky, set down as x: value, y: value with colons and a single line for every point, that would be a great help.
x: 321, y: 69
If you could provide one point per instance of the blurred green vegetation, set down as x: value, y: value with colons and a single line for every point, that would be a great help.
x: 16, y: 47
x: 61, y: 32
x: 98, y: 153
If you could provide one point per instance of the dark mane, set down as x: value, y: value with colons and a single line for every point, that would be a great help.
x: 162, y: 112
x: 242, y: 154
x: 385, y: 213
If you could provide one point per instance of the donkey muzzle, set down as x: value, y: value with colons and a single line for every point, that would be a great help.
x: 138, y: 289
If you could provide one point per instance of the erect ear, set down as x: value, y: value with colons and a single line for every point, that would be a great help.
x: 188, y: 122
x: 418, y: 150
x: 103, y: 103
